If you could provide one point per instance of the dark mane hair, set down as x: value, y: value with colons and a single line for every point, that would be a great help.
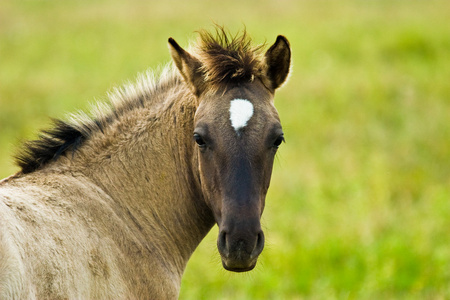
x: 227, y: 58
x: 49, y: 146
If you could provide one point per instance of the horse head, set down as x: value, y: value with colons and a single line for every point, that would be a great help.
x: 237, y: 132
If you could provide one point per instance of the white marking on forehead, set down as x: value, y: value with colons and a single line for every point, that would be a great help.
x: 241, y: 111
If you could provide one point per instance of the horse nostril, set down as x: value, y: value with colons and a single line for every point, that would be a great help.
x: 260, y: 242
x: 222, y: 242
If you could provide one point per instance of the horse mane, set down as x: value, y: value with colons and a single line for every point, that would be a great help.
x: 229, y: 59
x: 69, y: 135
x: 225, y: 58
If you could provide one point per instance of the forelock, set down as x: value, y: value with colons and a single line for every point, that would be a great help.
x: 229, y: 59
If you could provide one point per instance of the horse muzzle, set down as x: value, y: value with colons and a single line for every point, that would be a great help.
x: 239, y: 251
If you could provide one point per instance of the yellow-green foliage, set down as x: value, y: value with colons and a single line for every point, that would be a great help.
x: 359, y: 205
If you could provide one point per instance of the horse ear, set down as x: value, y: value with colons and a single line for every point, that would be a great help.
x: 278, y: 59
x: 189, y: 67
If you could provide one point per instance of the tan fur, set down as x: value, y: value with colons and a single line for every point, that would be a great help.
x: 87, y: 227
x: 118, y: 217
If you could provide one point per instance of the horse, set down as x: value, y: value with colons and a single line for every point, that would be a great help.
x: 113, y: 204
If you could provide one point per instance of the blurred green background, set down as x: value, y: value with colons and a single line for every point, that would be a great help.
x: 359, y: 206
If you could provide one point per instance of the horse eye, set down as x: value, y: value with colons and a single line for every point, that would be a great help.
x: 278, y: 141
x: 199, y: 140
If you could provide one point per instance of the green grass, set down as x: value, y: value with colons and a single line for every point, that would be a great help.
x: 359, y: 206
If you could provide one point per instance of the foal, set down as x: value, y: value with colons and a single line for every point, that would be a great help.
x: 113, y: 206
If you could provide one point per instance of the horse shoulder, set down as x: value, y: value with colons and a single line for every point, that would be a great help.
x: 14, y: 283
x: 62, y: 237
x: 46, y: 245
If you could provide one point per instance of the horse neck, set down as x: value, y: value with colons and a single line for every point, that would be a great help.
x: 147, y: 164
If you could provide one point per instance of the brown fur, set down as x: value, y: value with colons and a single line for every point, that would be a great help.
x: 229, y: 59
x: 112, y: 206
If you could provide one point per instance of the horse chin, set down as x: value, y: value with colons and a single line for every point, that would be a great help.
x: 238, y: 266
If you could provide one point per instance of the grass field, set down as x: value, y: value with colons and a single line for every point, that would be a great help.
x: 359, y: 206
